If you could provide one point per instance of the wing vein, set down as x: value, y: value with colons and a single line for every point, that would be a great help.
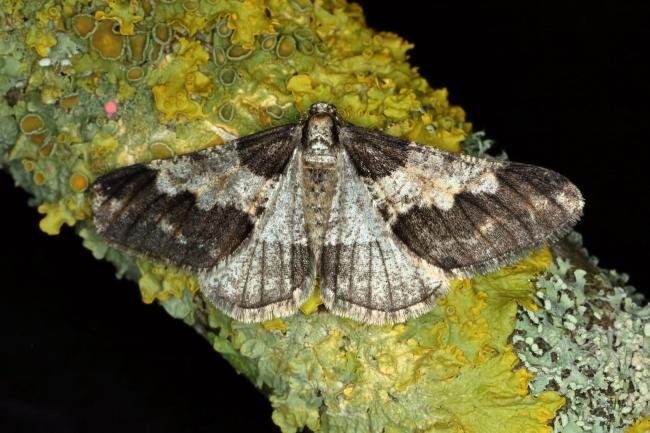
x: 477, y: 230
x: 183, y: 222
x: 139, y: 216
x: 242, y: 297
x: 536, y: 188
x: 449, y: 231
x: 470, y: 200
x: 369, y: 288
x: 292, y: 238
x: 141, y: 190
x: 499, y: 202
x: 282, y: 280
x: 352, y: 266
x: 521, y: 195
x: 263, y: 272
x: 389, y: 285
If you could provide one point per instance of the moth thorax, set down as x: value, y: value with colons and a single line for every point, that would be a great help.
x: 320, y: 142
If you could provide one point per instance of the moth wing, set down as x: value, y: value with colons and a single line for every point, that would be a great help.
x: 272, y: 272
x: 463, y: 214
x: 193, y: 210
x: 366, y: 272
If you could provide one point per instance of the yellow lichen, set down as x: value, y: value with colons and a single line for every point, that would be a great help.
x: 135, y: 73
x: 178, y: 81
x: 228, y: 76
x: 39, y: 138
x: 161, y: 33
x: 47, y: 146
x: 106, y: 42
x: 69, y: 101
x: 102, y: 152
x: 191, y: 22
x: 312, y: 303
x: 28, y: 165
x: 40, y: 40
x: 83, y: 24
x: 507, y: 289
x: 155, y: 51
x: 39, y: 178
x: 137, y: 46
x: 126, y: 12
x: 482, y: 398
x: 248, y: 20
x: 147, y: 6
x: 78, y: 182
x: 68, y: 211
x: 286, y: 46
x: 401, y: 105
x: 191, y: 5
x: 160, y: 282
x: 174, y: 104
x: 237, y: 52
x: 125, y: 91
x: 642, y: 425
x: 50, y: 13
x: 198, y: 83
x: 161, y: 150
x: 63, y: 138
x: 274, y: 324
x: 268, y: 43
x: 31, y: 124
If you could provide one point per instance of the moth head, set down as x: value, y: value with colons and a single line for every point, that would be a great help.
x: 323, y: 108
x: 322, y: 121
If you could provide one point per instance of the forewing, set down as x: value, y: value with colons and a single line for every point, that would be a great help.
x: 367, y: 274
x: 193, y: 210
x: 463, y: 214
x: 272, y: 271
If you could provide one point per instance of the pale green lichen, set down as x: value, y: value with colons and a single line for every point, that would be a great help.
x: 591, y: 343
x: 186, y: 75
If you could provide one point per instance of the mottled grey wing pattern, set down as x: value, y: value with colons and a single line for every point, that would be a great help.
x: 463, y: 214
x: 366, y: 272
x: 395, y: 219
x: 193, y: 210
x: 272, y: 272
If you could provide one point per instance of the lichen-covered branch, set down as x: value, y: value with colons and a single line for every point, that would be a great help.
x: 545, y: 344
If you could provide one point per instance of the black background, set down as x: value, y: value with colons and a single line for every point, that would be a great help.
x: 566, y: 88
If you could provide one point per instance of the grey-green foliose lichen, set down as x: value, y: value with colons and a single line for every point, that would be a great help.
x: 590, y: 341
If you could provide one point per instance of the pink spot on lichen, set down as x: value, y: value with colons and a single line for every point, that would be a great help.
x: 110, y: 108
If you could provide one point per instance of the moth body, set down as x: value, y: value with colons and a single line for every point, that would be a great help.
x: 320, y: 152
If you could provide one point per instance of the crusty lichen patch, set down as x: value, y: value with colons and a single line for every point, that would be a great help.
x: 94, y: 85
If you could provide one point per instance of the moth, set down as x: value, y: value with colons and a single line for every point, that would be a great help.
x: 384, y: 222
